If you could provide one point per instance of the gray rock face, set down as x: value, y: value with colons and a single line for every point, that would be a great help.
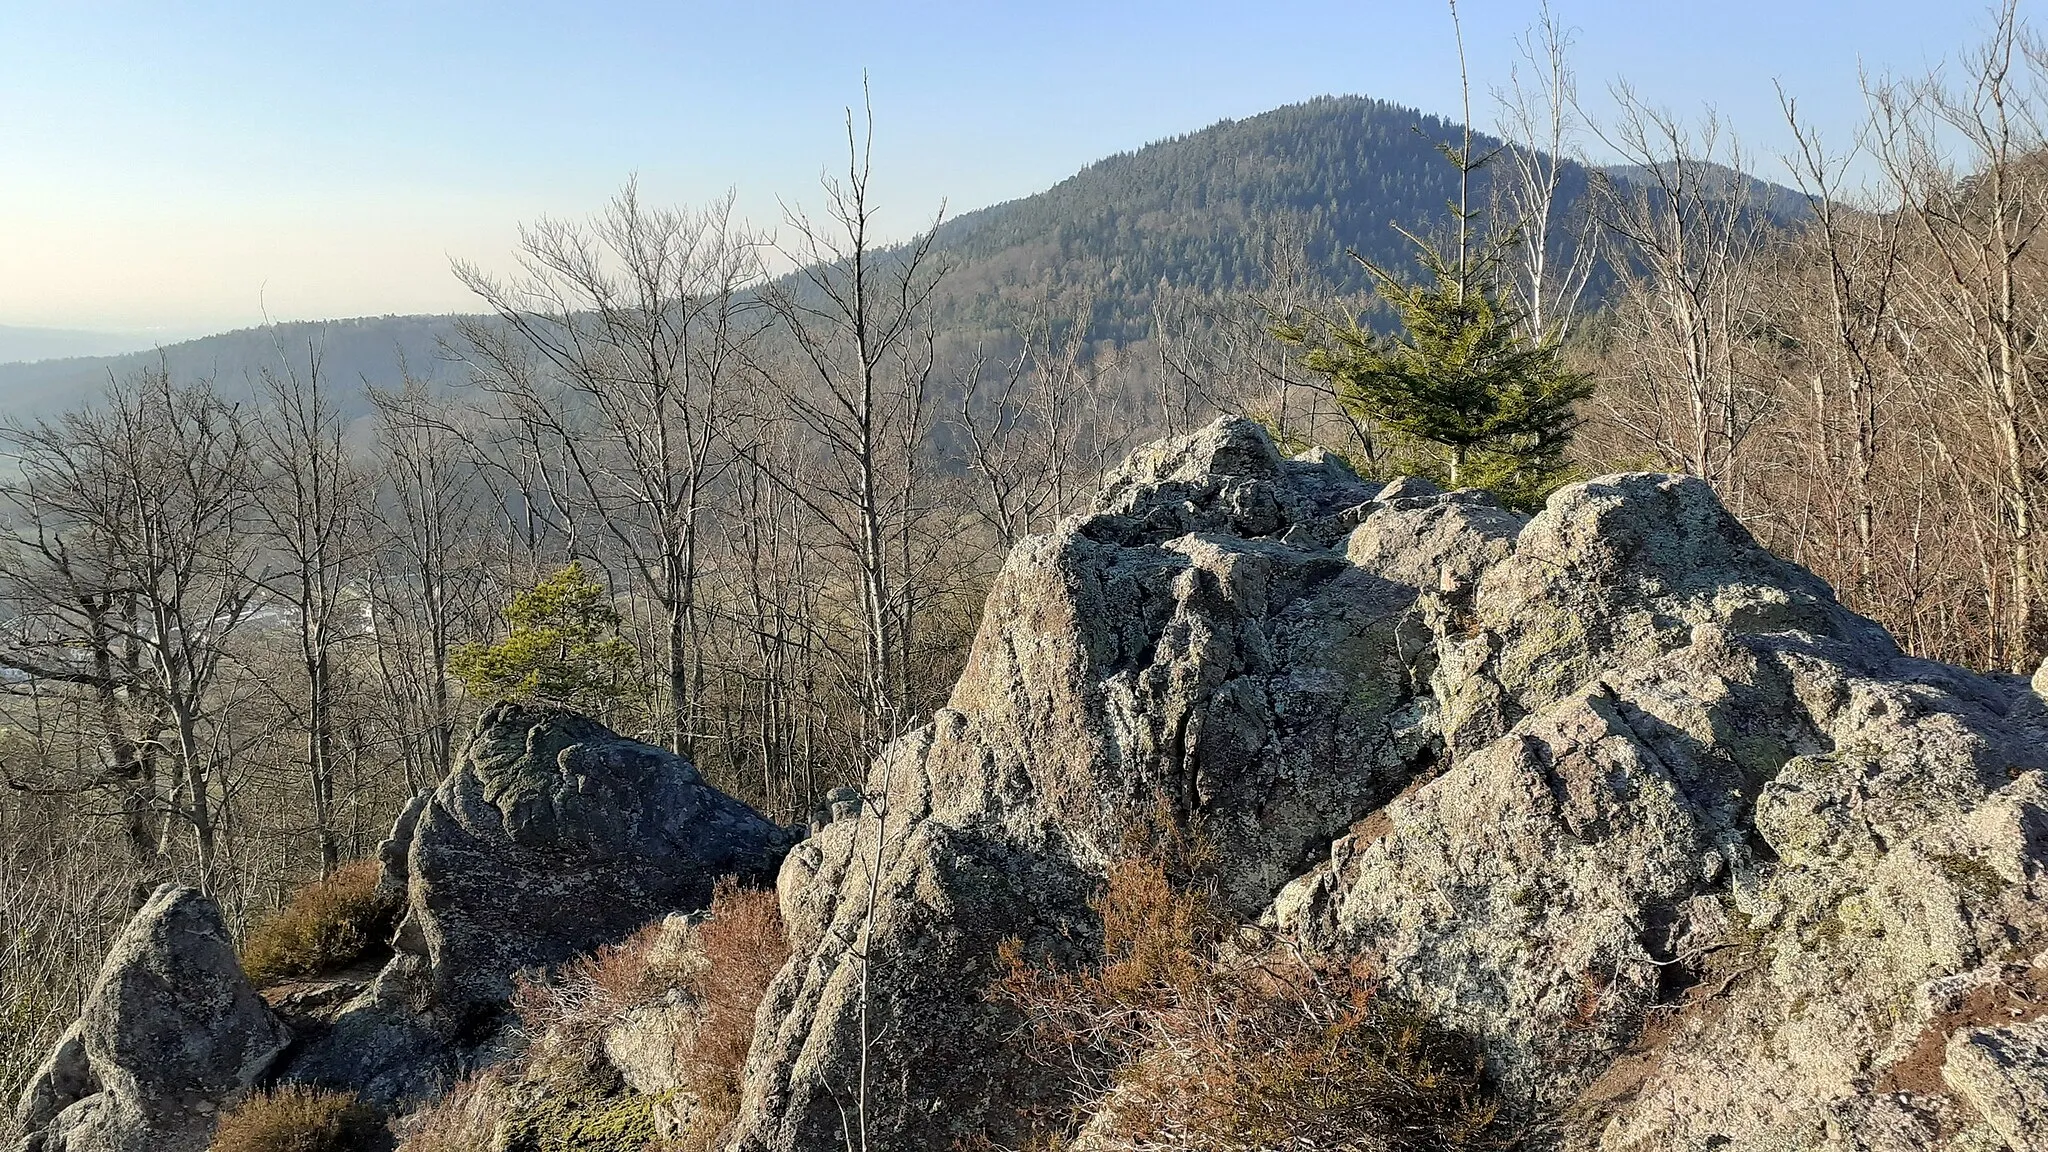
x: 1708, y: 847
x: 1199, y: 643
x: 2003, y: 1074
x: 594, y: 835
x: 551, y: 836
x: 170, y: 1032
x: 1698, y: 856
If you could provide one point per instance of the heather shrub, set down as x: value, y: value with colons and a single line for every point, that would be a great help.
x: 743, y: 946
x: 328, y: 925
x: 717, y: 969
x: 295, y: 1118
x: 1192, y: 1032
x: 465, y: 1120
x: 565, y: 1013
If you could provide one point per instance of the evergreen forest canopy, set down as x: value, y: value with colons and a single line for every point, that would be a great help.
x: 1205, y: 212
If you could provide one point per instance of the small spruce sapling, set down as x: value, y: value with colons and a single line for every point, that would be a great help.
x: 1487, y: 406
x: 1490, y: 408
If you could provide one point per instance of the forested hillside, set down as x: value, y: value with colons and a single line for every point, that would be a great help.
x: 1208, y: 213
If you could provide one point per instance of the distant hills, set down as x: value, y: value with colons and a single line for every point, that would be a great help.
x: 350, y: 350
x: 1200, y: 211
x: 54, y: 343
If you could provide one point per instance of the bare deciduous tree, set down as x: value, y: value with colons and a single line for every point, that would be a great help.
x: 1857, y: 243
x: 860, y: 317
x: 314, y: 504
x: 427, y: 586
x: 1688, y: 226
x: 1552, y: 245
x: 1040, y: 427
x: 1975, y: 294
x: 618, y: 348
x: 148, y: 503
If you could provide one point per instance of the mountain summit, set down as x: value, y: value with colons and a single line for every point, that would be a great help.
x: 1205, y: 211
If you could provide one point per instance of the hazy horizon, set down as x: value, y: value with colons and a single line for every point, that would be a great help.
x: 208, y: 170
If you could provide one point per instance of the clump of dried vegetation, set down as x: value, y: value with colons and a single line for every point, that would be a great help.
x: 1191, y: 1032
x: 708, y: 976
x: 464, y: 1120
x: 328, y: 925
x: 743, y: 947
x: 295, y: 1118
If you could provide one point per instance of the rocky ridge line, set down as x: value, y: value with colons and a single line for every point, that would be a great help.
x: 1697, y: 855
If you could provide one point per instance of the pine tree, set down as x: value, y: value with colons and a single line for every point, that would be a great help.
x: 563, y: 648
x: 1488, y: 407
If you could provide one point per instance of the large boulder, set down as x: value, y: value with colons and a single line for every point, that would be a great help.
x: 551, y: 836
x: 1708, y: 848
x: 1197, y: 645
x: 1696, y: 856
x: 170, y: 1033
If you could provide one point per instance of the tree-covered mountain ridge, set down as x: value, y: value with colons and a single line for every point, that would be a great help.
x: 1214, y: 210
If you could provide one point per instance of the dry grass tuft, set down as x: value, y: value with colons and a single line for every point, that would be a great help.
x: 328, y: 925
x: 572, y: 1006
x: 295, y: 1118
x: 465, y: 1120
x: 1188, y: 1034
x: 743, y: 946
x: 720, y: 967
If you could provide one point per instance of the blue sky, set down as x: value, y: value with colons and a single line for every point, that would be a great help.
x: 183, y: 167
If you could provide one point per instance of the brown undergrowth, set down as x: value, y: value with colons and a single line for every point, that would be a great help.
x: 328, y: 925
x: 1192, y: 1032
x: 698, y: 984
x: 295, y: 1118
x: 743, y: 947
x: 465, y: 1120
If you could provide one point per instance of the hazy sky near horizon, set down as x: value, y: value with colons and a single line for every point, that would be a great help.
x: 182, y: 167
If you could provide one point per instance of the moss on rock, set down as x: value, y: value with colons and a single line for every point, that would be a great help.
x: 580, y: 1124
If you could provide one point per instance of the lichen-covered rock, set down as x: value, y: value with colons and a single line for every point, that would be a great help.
x: 552, y: 836
x: 170, y: 1033
x: 1196, y: 643
x: 393, y: 873
x: 1422, y: 538
x: 1693, y: 852
x: 2003, y: 1073
x: 1705, y: 842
